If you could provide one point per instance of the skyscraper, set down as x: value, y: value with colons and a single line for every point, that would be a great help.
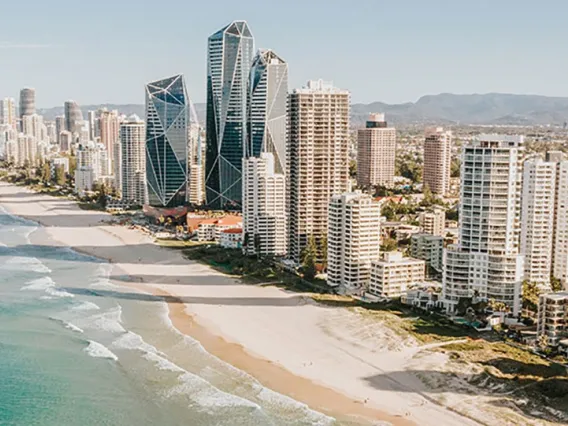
x: 486, y: 262
x: 317, y: 159
x: 73, y: 117
x: 560, y: 236
x: 438, y: 160
x: 268, y: 97
x: 376, y: 153
x: 537, y: 219
x: 229, y: 58
x: 353, y: 241
x: 167, y: 120
x: 92, y: 121
x: 133, y: 156
x: 59, y: 127
x: 8, y: 112
x: 108, y: 130
x: 27, y: 102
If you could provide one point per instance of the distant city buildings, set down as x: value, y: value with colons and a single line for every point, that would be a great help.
x: 73, y: 117
x: 353, y: 241
x: 167, y: 121
x: 27, y: 102
x: 318, y: 159
x: 8, y: 112
x: 486, y: 262
x: 438, y: 160
x: 376, y: 152
x: 133, y: 161
x: 229, y: 59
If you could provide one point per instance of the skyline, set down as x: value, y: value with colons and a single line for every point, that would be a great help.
x: 419, y: 50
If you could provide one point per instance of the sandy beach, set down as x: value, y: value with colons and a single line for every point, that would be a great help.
x: 329, y: 358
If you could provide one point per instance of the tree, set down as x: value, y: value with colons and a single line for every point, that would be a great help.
x: 531, y: 293
x: 556, y: 284
x: 389, y: 244
x: 428, y: 196
x: 323, y: 251
x: 257, y: 244
x: 45, y: 173
x: 59, y: 175
x: 455, y: 168
x: 309, y: 256
x: 353, y: 169
x: 496, y: 306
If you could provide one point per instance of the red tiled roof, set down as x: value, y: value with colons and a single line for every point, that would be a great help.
x: 233, y: 231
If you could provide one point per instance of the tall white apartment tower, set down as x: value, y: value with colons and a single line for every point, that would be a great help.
x: 376, y: 153
x: 317, y: 159
x: 537, y: 219
x: 487, y: 262
x: 8, y: 112
x: 264, y: 206
x: 133, y: 160
x: 437, y: 160
x: 560, y: 238
x: 353, y: 241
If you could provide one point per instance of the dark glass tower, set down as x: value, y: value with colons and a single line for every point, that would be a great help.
x: 167, y: 120
x: 230, y: 54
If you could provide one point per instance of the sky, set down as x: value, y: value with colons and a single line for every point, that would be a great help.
x: 394, y: 51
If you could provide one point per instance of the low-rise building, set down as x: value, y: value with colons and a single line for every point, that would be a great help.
x: 84, y: 180
x: 425, y: 295
x: 433, y: 222
x: 394, y: 274
x: 553, y: 317
x: 231, y: 238
x: 209, y: 228
x: 429, y: 248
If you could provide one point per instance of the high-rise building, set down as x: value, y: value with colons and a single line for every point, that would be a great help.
x: 59, y: 127
x: 92, y: 120
x: 317, y: 159
x: 65, y: 141
x: 376, y: 153
x: 27, y: 102
x: 268, y: 96
x: 229, y: 58
x: 537, y: 219
x: 196, y: 167
x: 32, y: 125
x: 353, y: 241
x: 8, y: 112
x: 560, y: 230
x: 433, y: 221
x: 438, y: 160
x: 108, y: 130
x: 133, y: 157
x: 429, y: 248
x: 167, y: 120
x: 486, y: 262
x: 264, y: 206
x: 73, y: 117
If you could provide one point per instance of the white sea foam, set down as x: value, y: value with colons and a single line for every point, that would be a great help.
x: 133, y: 341
x: 107, y: 321
x: 96, y: 350
x: 39, y: 284
x: 67, y: 325
x: 22, y: 263
x: 58, y: 293
x: 163, y: 363
x: 86, y: 306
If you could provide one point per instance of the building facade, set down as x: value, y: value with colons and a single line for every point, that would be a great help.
x: 560, y: 236
x: 553, y: 317
x: 353, y: 241
x: 376, y: 153
x: 133, y: 161
x: 8, y: 112
x: 437, y: 160
x: 27, y: 102
x: 264, y: 206
x: 486, y: 262
x: 429, y: 248
x: 229, y: 59
x: 167, y: 120
x: 433, y: 222
x: 394, y: 274
x: 537, y: 219
x: 317, y: 159
x: 73, y: 117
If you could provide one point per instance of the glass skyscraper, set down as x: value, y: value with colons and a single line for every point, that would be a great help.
x: 167, y: 120
x: 268, y: 95
x: 230, y: 54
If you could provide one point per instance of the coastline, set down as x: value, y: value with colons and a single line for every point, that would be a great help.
x: 206, y: 305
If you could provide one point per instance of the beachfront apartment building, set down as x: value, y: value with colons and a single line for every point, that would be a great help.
x: 376, y: 153
x: 264, y: 206
x: 537, y: 219
x: 392, y: 275
x: 317, y: 160
x: 552, y: 320
x: 486, y: 262
x: 437, y: 160
x: 132, y: 158
x: 353, y: 241
x: 429, y: 248
x: 560, y: 235
x: 433, y: 221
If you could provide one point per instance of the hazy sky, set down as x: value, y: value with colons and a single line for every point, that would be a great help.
x: 394, y: 51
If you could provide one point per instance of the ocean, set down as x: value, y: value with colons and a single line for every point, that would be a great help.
x: 71, y: 355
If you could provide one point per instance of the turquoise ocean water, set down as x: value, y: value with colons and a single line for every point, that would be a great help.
x: 71, y: 355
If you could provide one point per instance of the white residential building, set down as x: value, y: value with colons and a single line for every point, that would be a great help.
x: 317, y: 159
x: 8, y: 112
x: 353, y: 241
x: 376, y: 152
x: 487, y: 262
x: 437, y: 160
x: 32, y: 125
x: 553, y: 317
x: 433, y: 222
x: 84, y: 179
x: 537, y: 219
x: 429, y: 248
x: 394, y: 274
x: 132, y: 159
x: 264, y: 206
x: 560, y: 237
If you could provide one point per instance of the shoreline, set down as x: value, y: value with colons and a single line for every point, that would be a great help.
x: 277, y: 371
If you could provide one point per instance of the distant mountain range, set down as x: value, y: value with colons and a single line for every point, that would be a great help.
x: 445, y: 108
